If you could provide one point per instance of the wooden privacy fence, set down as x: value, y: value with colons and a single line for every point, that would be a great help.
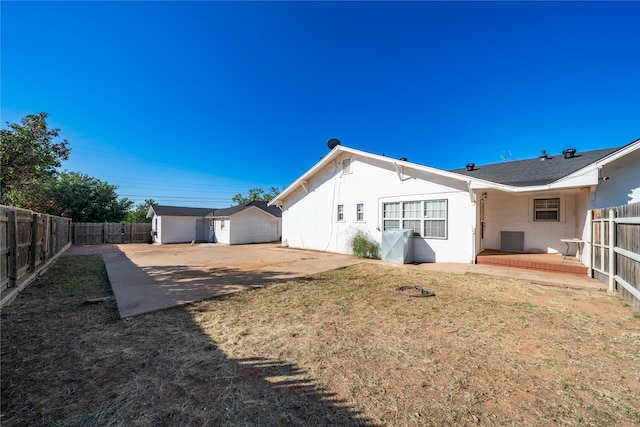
x: 29, y: 242
x: 87, y: 233
x: 615, y: 249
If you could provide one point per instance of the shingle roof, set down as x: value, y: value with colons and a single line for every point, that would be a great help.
x: 273, y: 210
x: 209, y: 212
x: 180, y: 211
x: 535, y: 171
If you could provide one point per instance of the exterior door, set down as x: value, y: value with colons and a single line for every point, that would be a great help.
x: 482, y: 225
x: 212, y: 231
x: 200, y: 236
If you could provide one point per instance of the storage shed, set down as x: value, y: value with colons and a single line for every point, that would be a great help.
x: 253, y: 222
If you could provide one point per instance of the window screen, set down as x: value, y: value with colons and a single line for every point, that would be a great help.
x: 546, y: 209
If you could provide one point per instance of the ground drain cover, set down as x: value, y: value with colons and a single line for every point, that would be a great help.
x: 415, y: 291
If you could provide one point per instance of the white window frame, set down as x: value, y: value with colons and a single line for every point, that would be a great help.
x: 360, y: 212
x: 546, y: 208
x: 412, y: 216
x: 340, y: 213
x: 391, y: 216
x: 439, y: 216
x: 397, y: 215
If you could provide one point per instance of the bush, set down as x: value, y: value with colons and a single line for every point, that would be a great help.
x: 364, y: 246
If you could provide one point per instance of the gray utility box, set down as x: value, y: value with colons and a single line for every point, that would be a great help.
x: 397, y: 246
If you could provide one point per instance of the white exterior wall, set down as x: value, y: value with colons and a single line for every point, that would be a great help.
x: 514, y: 212
x: 309, y: 220
x: 221, y: 228
x: 253, y: 226
x: 621, y: 187
x: 623, y: 184
x: 175, y: 229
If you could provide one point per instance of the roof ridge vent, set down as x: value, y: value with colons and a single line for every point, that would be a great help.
x: 569, y: 153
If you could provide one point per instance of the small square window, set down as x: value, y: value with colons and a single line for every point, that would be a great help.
x: 340, y: 216
x: 546, y: 209
x: 360, y: 212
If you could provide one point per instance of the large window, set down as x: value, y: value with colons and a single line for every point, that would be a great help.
x: 411, y: 216
x: 435, y: 223
x: 427, y: 218
x: 546, y: 209
x: 391, y: 215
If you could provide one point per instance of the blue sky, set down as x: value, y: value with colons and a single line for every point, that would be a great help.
x: 189, y: 103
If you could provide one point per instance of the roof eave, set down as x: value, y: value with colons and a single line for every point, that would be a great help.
x: 627, y: 149
x: 279, y: 199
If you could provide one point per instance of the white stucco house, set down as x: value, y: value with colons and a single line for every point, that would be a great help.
x: 522, y: 206
x: 254, y: 222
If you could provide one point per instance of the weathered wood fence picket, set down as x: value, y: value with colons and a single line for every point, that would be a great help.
x: 615, y: 249
x: 88, y: 233
x: 29, y: 242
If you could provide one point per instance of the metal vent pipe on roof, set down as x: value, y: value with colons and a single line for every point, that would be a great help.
x: 543, y: 155
x: 569, y: 153
x: 470, y: 166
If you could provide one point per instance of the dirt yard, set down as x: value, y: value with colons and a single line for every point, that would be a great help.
x: 335, y: 348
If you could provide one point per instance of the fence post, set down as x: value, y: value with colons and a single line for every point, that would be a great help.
x: 33, y: 249
x: 12, y: 227
x: 47, y: 238
x: 612, y: 253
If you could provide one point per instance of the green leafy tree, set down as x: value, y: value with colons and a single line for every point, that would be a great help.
x: 139, y: 213
x: 28, y: 161
x: 86, y: 199
x: 255, y: 194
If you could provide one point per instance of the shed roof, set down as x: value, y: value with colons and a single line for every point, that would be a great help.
x: 535, y: 171
x: 209, y: 212
x: 179, y: 211
x: 272, y: 210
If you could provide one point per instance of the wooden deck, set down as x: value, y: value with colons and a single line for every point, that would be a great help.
x: 542, y: 262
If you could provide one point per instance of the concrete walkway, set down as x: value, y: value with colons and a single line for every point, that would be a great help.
x: 147, y: 278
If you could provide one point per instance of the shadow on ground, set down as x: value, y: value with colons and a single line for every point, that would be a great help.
x: 155, y: 278
x: 68, y: 363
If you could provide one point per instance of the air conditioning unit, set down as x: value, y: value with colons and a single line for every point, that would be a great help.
x: 397, y: 246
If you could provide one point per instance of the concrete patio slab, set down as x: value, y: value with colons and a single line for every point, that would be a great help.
x: 147, y: 278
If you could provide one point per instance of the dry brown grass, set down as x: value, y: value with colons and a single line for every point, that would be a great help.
x: 338, y: 348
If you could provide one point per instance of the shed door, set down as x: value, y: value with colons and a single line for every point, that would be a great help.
x: 200, y: 236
